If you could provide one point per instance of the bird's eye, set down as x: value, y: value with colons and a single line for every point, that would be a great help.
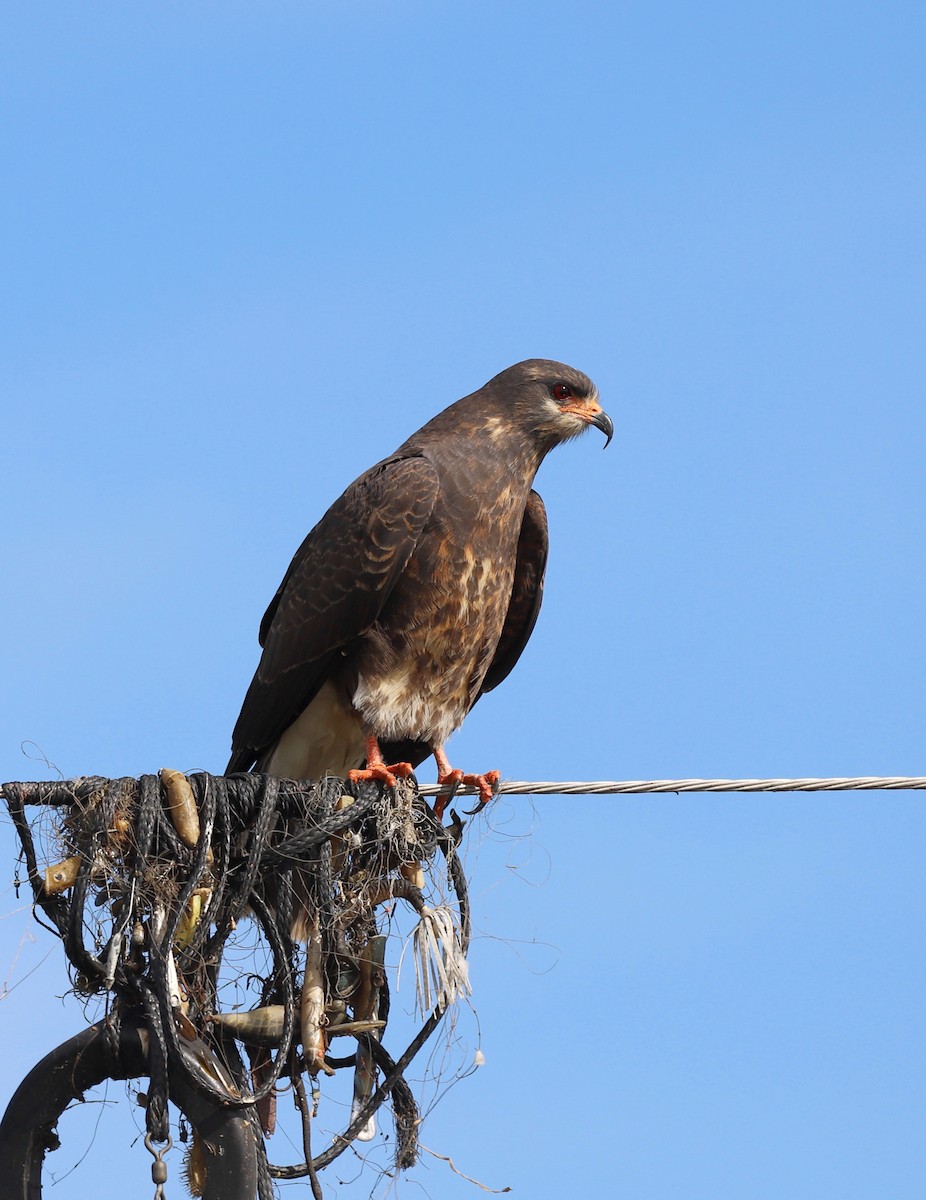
x: 561, y: 392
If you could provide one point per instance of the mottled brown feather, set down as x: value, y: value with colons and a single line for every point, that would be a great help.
x: 523, y: 609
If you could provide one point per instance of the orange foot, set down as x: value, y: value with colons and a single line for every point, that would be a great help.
x: 376, y: 769
x: 379, y: 772
x: 487, y: 785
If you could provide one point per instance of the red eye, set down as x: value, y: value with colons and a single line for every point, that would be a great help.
x: 561, y: 392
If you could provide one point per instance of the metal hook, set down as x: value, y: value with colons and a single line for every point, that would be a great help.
x: 159, y: 1166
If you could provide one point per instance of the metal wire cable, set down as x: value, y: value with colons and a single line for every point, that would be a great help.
x: 606, y: 787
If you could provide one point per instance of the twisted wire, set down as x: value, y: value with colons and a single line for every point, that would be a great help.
x: 607, y: 787
x: 244, y: 788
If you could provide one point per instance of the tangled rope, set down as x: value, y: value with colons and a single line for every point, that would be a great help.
x: 158, y: 873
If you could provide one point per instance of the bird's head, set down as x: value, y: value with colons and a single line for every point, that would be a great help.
x: 552, y: 402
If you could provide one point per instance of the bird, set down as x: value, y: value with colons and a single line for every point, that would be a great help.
x: 416, y: 592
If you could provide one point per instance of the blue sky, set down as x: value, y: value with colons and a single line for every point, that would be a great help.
x: 248, y: 249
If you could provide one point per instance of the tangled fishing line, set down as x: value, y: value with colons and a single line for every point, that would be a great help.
x: 152, y: 895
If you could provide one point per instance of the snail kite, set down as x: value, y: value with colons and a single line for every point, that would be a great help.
x: 416, y: 592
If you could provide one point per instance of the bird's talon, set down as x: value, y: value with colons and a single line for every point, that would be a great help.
x: 452, y: 778
x: 488, y: 786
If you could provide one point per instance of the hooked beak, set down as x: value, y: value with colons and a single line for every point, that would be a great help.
x: 602, y: 421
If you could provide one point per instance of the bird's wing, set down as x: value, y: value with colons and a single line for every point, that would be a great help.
x: 333, y: 591
x: 526, y: 593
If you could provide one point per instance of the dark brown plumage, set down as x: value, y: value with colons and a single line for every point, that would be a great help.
x: 418, y: 589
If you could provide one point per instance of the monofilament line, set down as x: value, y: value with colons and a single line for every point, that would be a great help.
x: 607, y: 787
